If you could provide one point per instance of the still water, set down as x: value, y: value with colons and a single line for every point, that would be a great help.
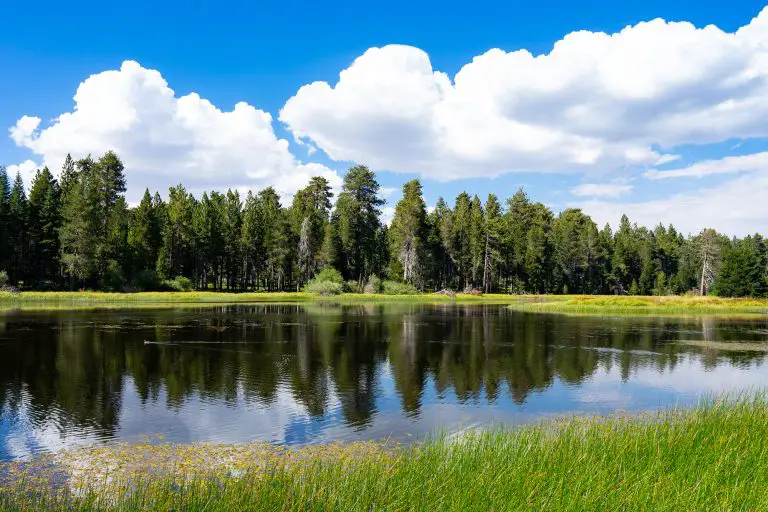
x: 312, y: 373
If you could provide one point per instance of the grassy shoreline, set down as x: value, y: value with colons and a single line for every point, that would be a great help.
x: 637, y: 305
x: 710, y: 457
x: 568, y: 304
x: 86, y: 300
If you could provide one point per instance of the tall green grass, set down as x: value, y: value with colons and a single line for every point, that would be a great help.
x: 711, y: 457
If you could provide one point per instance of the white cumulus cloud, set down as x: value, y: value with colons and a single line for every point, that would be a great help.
x: 27, y: 169
x: 755, y: 162
x: 596, y: 101
x: 601, y: 189
x: 736, y: 207
x: 164, y: 139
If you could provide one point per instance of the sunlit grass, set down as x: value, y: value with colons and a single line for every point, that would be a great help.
x: 710, y: 457
x: 621, y: 304
x: 573, y: 304
x: 86, y: 299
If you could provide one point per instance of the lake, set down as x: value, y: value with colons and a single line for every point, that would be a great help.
x: 297, y: 374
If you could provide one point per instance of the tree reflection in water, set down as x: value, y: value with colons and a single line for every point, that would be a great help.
x: 76, y: 364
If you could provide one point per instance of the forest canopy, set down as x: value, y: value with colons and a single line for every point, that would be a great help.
x: 78, y: 232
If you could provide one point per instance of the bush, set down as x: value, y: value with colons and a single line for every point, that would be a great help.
x: 323, y: 287
x: 396, y: 288
x: 352, y: 286
x: 330, y: 275
x: 327, y: 282
x: 146, y: 281
x: 4, y: 286
x: 373, y: 285
x: 178, y: 284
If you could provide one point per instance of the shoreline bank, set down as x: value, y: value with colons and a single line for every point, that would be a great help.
x: 567, y: 304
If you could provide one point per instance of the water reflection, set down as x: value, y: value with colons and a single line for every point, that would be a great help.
x: 309, y: 373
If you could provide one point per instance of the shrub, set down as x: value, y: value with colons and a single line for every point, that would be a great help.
x: 330, y: 275
x: 323, y: 287
x: 396, y: 288
x: 373, y: 285
x: 178, y: 284
x: 352, y: 286
x: 4, y: 286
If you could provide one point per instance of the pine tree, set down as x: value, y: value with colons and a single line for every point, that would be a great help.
x: 105, y: 185
x: 312, y: 201
x: 358, y: 221
x: 477, y: 241
x: 116, y: 249
x: 174, y: 254
x: 231, y: 228
x: 275, y: 229
x: 650, y: 266
x: 5, y: 196
x: 17, y: 230
x: 493, y: 235
x: 77, y: 235
x: 437, y: 266
x: 572, y: 233
x: 538, y: 251
x: 381, y: 252
x: 44, y: 221
x: 517, y: 224
x: 306, y: 250
x: 408, y: 234
x: 144, y: 235
x: 330, y: 251
x: 625, y: 262
x: 743, y: 269
x: 603, y: 272
x: 309, y: 218
x: 460, y: 248
x: 251, y: 241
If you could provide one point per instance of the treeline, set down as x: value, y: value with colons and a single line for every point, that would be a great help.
x: 79, y: 232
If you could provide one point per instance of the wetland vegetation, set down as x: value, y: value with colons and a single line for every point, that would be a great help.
x: 711, y: 456
x: 570, y: 304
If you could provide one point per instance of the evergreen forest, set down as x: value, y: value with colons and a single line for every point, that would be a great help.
x: 78, y: 232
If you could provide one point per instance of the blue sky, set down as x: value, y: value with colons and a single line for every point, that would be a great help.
x: 662, y: 121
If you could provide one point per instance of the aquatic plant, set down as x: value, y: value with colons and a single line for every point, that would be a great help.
x: 709, y: 457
